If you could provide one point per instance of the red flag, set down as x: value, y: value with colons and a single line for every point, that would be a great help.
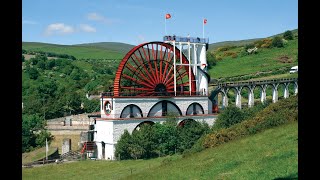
x: 168, y: 16
x: 205, y: 21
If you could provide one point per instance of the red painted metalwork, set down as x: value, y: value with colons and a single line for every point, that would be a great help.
x: 147, y: 70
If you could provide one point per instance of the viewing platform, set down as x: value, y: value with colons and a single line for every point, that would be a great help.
x: 186, y: 39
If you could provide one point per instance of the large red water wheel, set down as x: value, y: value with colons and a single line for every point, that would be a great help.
x: 147, y: 70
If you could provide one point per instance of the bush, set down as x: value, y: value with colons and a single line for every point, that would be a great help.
x: 288, y: 35
x: 277, y: 42
x: 229, y: 116
x: 264, y: 43
x: 211, y: 59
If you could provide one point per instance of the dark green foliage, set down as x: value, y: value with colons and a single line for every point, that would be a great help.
x: 277, y: 42
x: 211, y: 59
x: 33, y: 73
x: 91, y: 105
x: 33, y: 133
x: 23, y: 59
x: 229, y: 116
x: 122, y: 146
x: 190, y: 133
x: 288, y: 35
x: 160, y: 139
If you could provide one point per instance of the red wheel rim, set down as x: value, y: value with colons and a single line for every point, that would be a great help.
x: 147, y: 70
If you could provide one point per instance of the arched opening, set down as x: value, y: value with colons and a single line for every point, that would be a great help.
x: 232, y: 94
x: 194, y: 109
x: 144, y: 123
x: 186, y: 122
x: 131, y: 111
x: 164, y: 108
x: 245, y: 96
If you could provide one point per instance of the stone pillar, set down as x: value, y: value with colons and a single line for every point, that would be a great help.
x: 286, y: 90
x: 251, y: 98
x: 224, y: 100
x: 295, y: 88
x: 66, y: 145
x: 238, y: 99
x: 275, y: 94
x: 263, y: 95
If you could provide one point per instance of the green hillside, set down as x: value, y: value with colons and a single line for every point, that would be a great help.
x: 233, y: 61
x: 112, y: 51
x: 113, y: 46
x: 267, y: 155
x: 214, y: 46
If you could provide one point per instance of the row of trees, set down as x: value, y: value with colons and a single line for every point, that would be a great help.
x: 49, y: 54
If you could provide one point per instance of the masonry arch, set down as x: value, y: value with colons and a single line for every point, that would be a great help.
x: 131, y: 111
x: 231, y: 94
x: 137, y: 128
x: 163, y: 108
x: 269, y: 92
x: 245, y: 91
x: 184, y: 122
x: 194, y: 109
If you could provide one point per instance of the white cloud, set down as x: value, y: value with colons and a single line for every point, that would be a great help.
x: 87, y: 28
x: 58, y: 28
x: 99, y: 18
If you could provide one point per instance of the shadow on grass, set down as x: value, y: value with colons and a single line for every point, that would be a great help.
x: 291, y: 177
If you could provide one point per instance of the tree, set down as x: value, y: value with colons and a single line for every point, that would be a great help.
x: 33, y: 73
x: 91, y: 105
x: 277, y: 42
x: 189, y: 133
x: 122, y: 146
x: 23, y: 58
x: 72, y: 102
x: 288, y: 35
x: 33, y: 132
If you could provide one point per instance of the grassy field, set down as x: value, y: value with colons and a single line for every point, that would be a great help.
x: 80, y: 52
x: 267, y: 155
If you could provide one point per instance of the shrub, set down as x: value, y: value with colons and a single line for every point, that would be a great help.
x: 277, y: 42
x: 288, y: 35
x: 229, y: 116
x: 264, y: 43
x: 211, y: 59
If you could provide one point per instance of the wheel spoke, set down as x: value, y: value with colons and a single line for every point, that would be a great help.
x: 137, y: 81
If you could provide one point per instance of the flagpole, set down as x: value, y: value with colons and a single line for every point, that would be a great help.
x: 165, y: 25
x: 203, y: 28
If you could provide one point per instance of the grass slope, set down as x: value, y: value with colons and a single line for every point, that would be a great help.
x: 265, y: 60
x: 270, y: 154
x: 214, y: 46
x: 36, y: 154
x: 114, y: 46
x: 80, y: 52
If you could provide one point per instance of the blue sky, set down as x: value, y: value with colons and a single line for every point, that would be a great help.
x: 137, y: 21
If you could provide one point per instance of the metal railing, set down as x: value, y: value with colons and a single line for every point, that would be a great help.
x: 155, y: 94
x: 258, y: 82
x: 186, y: 39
